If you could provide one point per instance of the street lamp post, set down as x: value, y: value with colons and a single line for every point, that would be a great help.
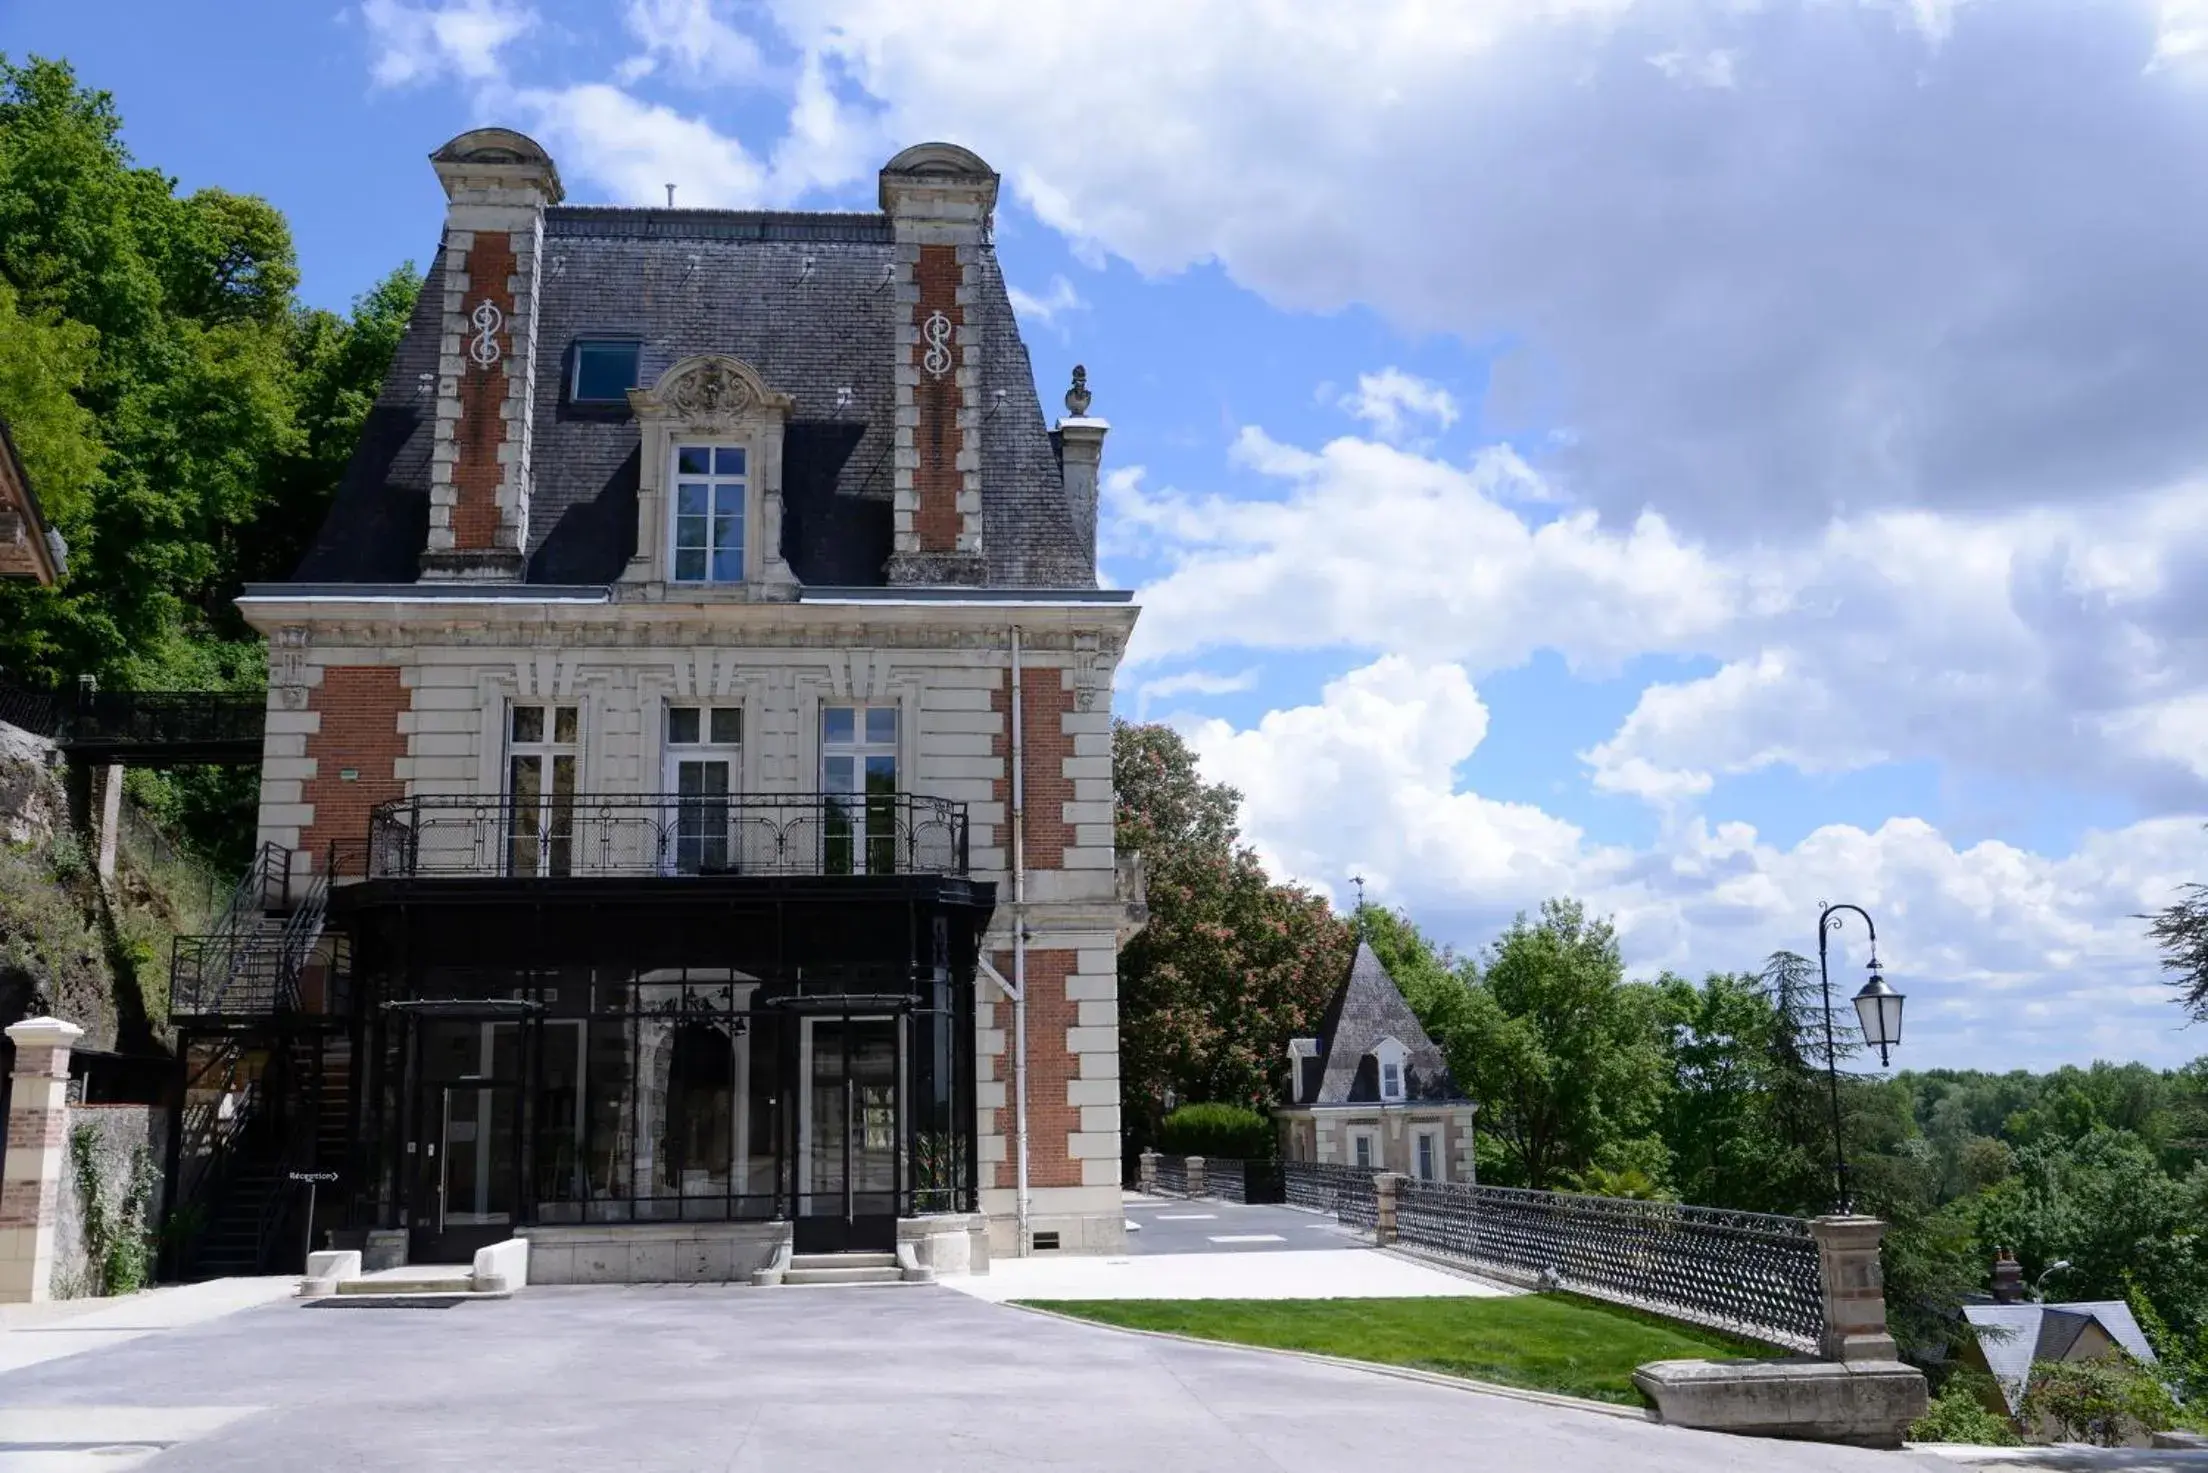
x: 1877, y: 1008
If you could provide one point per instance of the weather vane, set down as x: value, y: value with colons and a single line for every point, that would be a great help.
x: 1359, y: 881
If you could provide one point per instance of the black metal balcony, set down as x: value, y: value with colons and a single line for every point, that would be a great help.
x: 641, y: 835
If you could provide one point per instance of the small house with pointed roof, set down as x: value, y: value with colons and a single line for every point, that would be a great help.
x: 1372, y: 1089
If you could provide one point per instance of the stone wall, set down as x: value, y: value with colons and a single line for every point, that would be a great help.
x: 120, y: 1130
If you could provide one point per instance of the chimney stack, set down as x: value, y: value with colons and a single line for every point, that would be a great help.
x: 939, y: 198
x: 498, y: 184
x: 2008, y: 1278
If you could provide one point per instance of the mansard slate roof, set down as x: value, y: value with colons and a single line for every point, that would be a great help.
x: 807, y: 300
x: 2013, y: 1336
x: 1368, y: 1008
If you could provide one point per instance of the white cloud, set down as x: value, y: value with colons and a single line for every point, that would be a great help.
x: 2008, y: 957
x: 634, y: 149
x: 1697, y: 68
x: 692, y: 41
x: 413, y: 44
x: 1050, y: 307
x: 1191, y: 683
x: 1398, y: 405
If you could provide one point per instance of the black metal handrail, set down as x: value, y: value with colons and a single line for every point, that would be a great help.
x: 186, y: 726
x: 249, y: 965
x: 644, y: 834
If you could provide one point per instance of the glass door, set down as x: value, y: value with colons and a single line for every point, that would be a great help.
x: 541, y: 756
x: 849, y: 1125
x: 704, y: 753
x: 469, y: 1137
x: 858, y: 780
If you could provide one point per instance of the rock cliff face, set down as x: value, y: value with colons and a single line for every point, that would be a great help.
x: 54, y: 957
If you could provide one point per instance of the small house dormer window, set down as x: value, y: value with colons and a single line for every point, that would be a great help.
x: 709, y: 514
x: 1393, y: 1058
x: 605, y: 370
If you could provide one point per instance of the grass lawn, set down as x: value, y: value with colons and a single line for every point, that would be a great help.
x: 1544, y: 1342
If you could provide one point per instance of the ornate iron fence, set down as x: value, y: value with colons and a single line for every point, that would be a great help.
x: 1745, y: 1272
x: 1345, y: 1191
x: 641, y: 834
x: 1172, y: 1175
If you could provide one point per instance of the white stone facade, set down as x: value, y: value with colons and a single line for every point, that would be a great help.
x: 463, y: 657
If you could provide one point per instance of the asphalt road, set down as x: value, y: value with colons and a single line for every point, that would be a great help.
x: 832, y: 1380
x: 1167, y: 1225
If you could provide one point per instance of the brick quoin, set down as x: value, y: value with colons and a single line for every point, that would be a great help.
x: 482, y: 430
x: 1050, y: 1064
x: 359, y: 706
x: 937, y: 480
x: 1044, y: 702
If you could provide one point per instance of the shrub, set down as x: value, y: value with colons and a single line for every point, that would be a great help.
x: 1229, y: 1132
x: 1960, y: 1414
x: 118, y: 1249
x: 2097, y: 1401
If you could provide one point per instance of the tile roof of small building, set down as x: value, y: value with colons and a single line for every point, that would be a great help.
x: 1367, y: 1009
x: 807, y: 300
x: 2013, y: 1336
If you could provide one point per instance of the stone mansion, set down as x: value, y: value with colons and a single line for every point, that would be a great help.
x: 687, y: 799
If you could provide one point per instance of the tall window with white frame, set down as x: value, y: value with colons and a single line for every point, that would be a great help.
x: 708, y: 524
x: 541, y: 759
x: 858, y: 778
x: 1428, y: 1165
x: 704, y: 758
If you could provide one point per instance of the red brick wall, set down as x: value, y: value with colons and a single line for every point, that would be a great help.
x: 1044, y: 702
x: 1049, y: 1065
x: 360, y: 706
x: 482, y: 430
x: 938, y: 478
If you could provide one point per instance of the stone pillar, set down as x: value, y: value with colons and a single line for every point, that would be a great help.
x: 30, y: 1183
x: 1195, y: 1176
x: 1081, y: 455
x: 1384, y: 1186
x: 1148, y: 1180
x: 1854, y: 1288
x: 109, y: 783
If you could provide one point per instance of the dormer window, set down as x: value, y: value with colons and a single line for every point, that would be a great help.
x: 1393, y: 1058
x: 709, y: 514
x: 605, y: 370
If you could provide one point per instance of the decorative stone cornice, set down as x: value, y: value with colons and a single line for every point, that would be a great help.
x: 711, y: 391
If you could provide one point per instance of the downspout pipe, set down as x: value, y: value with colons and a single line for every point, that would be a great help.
x: 1019, y: 946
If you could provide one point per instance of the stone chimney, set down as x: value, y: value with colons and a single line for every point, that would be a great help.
x: 498, y: 185
x: 2008, y: 1278
x: 939, y: 198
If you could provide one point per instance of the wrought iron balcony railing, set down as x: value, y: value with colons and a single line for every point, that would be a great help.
x: 630, y: 835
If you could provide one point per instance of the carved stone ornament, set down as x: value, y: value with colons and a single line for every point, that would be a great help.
x: 287, y: 666
x: 709, y: 390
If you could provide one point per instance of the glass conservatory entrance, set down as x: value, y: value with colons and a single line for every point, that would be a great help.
x: 848, y: 1127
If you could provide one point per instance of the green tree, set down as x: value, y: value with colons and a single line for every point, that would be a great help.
x: 1564, y: 1055
x: 1231, y: 965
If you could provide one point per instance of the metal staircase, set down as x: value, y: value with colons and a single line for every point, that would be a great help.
x: 248, y: 967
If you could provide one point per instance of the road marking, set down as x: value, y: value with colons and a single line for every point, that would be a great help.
x: 1188, y: 1217
x: 1248, y: 1238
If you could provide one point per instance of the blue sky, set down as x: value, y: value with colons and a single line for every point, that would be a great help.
x: 1706, y: 459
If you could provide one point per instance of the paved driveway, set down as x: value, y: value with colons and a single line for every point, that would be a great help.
x: 861, y: 1379
x: 1175, y: 1225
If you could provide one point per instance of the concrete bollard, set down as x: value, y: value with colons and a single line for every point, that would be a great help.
x: 1384, y: 1187
x: 1195, y: 1176
x: 1148, y: 1178
x: 1854, y: 1289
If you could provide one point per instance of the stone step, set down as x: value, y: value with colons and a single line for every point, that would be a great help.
x: 842, y: 1276
x: 844, y: 1260
x: 426, y: 1283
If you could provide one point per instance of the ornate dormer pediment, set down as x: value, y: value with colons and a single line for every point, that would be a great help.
x: 711, y: 391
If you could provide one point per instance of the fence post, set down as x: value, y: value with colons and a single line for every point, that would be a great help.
x: 1384, y: 1185
x: 1854, y: 1289
x: 31, y: 1180
x: 1195, y: 1176
x: 1148, y: 1177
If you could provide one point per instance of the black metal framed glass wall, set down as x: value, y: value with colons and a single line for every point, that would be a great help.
x: 835, y: 1093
